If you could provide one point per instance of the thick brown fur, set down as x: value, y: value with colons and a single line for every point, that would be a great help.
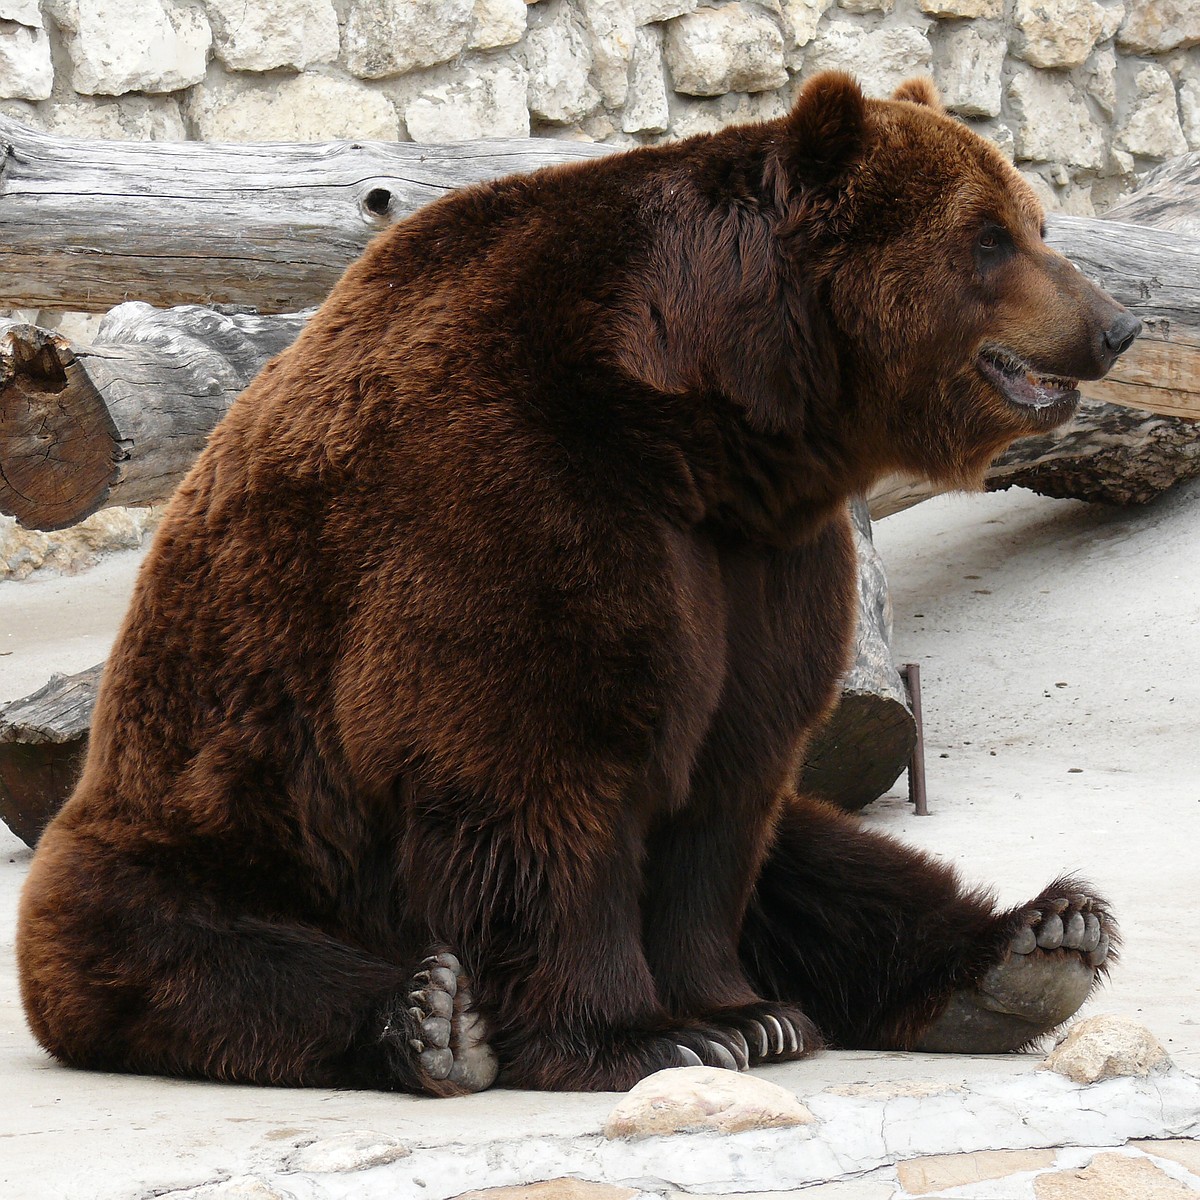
x: 497, y: 611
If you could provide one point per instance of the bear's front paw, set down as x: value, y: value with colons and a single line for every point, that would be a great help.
x: 765, y: 1032
x: 1054, y: 951
x: 440, y: 1031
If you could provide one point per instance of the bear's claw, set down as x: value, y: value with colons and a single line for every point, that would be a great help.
x: 447, y: 1037
x: 1049, y: 967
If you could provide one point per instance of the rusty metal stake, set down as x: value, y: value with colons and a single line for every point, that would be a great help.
x: 911, y: 674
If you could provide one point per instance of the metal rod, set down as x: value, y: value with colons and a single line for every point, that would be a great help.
x: 911, y: 674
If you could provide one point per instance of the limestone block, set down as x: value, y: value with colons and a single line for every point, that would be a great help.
x: 732, y: 49
x: 26, y: 72
x: 497, y: 23
x: 126, y: 118
x: 692, y: 1099
x: 389, y: 37
x: 240, y: 1187
x: 555, y: 1189
x: 1189, y: 109
x: 1112, y: 1176
x: 735, y: 108
x: 611, y: 26
x: 482, y: 102
x: 646, y: 108
x: 940, y: 1172
x: 68, y: 551
x: 305, y: 108
x: 1151, y: 127
x: 1102, y: 80
x: 559, y: 61
x: 968, y: 72
x: 862, y: 6
x: 1052, y: 122
x: 1056, y: 33
x: 277, y: 33
x: 1106, y: 1047
x: 1154, y: 26
x: 352, y: 1151
x: 800, y: 20
x: 1111, y: 17
x: 646, y: 12
x: 119, y: 46
x: 990, y: 9
x: 881, y: 58
x: 1184, y: 1151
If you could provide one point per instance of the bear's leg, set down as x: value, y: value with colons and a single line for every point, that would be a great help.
x: 553, y: 924
x: 123, y: 969
x: 884, y: 947
x: 701, y: 867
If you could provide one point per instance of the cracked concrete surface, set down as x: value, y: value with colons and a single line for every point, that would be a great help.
x: 1060, y: 654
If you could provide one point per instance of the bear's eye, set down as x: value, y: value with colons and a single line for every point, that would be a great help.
x: 992, y: 243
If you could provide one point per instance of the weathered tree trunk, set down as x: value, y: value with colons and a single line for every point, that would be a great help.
x: 43, y: 739
x: 868, y: 740
x: 122, y: 420
x: 90, y: 224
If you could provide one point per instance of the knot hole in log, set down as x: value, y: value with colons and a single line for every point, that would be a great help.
x: 377, y: 203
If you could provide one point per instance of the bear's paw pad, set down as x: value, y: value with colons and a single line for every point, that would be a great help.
x: 449, y: 1037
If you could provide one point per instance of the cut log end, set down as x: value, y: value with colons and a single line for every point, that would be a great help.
x: 860, y: 751
x: 58, y: 446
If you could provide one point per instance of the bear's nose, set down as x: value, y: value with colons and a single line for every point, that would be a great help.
x: 1119, y: 336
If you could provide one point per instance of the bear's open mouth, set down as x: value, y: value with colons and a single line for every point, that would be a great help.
x: 1022, y: 383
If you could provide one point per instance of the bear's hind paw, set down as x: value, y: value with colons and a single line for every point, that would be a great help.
x: 1063, y: 942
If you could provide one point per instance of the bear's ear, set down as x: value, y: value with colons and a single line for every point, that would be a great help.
x: 825, y: 132
x: 919, y: 90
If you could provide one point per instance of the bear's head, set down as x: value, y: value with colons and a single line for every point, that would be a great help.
x: 957, y: 329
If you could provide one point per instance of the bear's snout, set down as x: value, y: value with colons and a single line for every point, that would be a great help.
x: 1120, y: 335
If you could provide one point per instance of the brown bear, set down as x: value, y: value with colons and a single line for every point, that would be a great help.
x: 453, y: 722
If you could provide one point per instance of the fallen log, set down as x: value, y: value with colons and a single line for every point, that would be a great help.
x: 122, y: 420
x: 90, y: 224
x: 869, y: 739
x: 43, y: 740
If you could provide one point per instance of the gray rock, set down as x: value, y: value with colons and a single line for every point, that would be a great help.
x: 1189, y: 105
x: 707, y: 116
x: 881, y: 58
x: 963, y: 8
x: 646, y: 12
x: 559, y: 61
x: 273, y: 33
x: 801, y: 19
x: 732, y: 49
x: 1151, y: 127
x: 26, y: 70
x: 389, y: 37
x: 497, y: 23
x: 1101, y: 80
x: 1052, y: 121
x: 1056, y: 33
x: 969, y: 72
x: 305, y: 108
x: 1106, y: 1047
x: 611, y: 28
x: 124, y: 118
x: 477, y: 102
x: 344, y: 1152
x: 646, y: 107
x: 1157, y: 25
x: 694, y: 1099
x: 119, y: 46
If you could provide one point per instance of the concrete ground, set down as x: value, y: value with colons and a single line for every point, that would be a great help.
x: 1060, y: 653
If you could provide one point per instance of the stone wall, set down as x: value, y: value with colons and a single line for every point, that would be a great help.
x: 1082, y: 93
